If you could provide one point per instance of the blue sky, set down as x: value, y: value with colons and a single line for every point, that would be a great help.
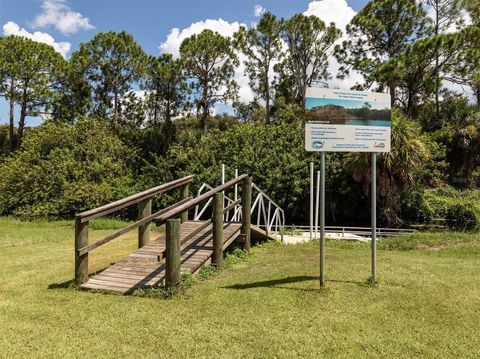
x: 65, y: 24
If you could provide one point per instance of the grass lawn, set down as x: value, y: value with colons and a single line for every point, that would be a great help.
x: 426, y: 304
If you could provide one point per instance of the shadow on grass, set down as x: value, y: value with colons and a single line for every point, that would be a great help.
x: 277, y: 283
x: 71, y: 283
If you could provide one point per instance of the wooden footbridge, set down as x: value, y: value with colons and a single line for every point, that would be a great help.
x: 190, y: 239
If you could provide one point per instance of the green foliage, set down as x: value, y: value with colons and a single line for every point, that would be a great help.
x: 379, y: 32
x: 30, y: 74
x: 262, y: 46
x: 109, y: 64
x: 310, y: 42
x: 167, y: 292
x: 236, y: 255
x: 462, y: 217
x: 207, y: 271
x: 63, y: 169
x: 397, y: 169
x: 273, y: 155
x: 448, y: 206
x: 209, y: 61
x: 432, y: 240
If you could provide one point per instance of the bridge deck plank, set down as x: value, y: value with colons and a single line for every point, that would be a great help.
x: 142, y: 269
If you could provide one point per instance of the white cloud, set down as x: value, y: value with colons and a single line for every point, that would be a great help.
x: 259, y: 10
x: 176, y: 36
x: 225, y: 28
x: 11, y: 28
x: 337, y: 11
x: 57, y: 13
x: 340, y: 13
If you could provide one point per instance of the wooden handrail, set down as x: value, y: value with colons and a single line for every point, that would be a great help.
x: 197, y: 200
x: 232, y: 205
x: 128, y: 228
x: 125, y: 202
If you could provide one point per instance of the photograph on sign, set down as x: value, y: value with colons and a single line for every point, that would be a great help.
x: 347, y: 121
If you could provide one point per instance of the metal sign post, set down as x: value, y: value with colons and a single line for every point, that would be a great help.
x: 374, y: 216
x: 345, y: 121
x: 322, y: 219
x: 311, y: 200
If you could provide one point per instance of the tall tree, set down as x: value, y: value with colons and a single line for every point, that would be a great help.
x: 210, y: 61
x: 415, y: 71
x: 310, y: 43
x: 467, y: 71
x: 379, y: 32
x: 112, y: 62
x: 444, y: 13
x: 9, y: 73
x: 263, y: 47
x: 166, y: 92
x: 31, y: 73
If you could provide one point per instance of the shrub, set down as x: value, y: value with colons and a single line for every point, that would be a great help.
x: 62, y: 169
x: 457, y: 209
x: 461, y: 217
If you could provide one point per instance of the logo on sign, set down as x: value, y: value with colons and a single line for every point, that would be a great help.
x: 318, y: 144
x: 379, y: 145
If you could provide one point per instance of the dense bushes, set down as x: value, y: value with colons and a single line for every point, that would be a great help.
x: 448, y: 206
x: 62, y: 169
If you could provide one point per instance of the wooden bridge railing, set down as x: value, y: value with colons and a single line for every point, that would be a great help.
x: 173, y: 217
x: 173, y: 240
x: 145, y: 217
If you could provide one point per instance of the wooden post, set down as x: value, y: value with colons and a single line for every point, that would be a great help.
x: 81, y: 262
x: 144, y: 210
x: 217, y: 257
x: 246, y: 211
x: 185, y: 193
x: 173, y: 254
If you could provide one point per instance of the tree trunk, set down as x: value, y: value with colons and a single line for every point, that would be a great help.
x: 477, y: 92
x: 205, y: 111
x: 12, y: 118
x: 267, y: 99
x: 168, y: 129
x: 392, y: 95
x: 437, y: 77
x: 21, y: 122
x: 115, y: 108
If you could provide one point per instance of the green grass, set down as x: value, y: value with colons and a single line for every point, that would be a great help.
x: 267, y: 305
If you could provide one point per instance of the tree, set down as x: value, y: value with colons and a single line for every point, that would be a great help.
x: 467, y: 71
x: 111, y: 63
x: 166, y: 93
x: 310, y: 42
x: 31, y: 72
x: 397, y: 169
x: 209, y: 62
x: 9, y: 72
x: 262, y: 45
x: 415, y: 72
x: 445, y: 13
x: 379, y: 32
x: 65, y: 168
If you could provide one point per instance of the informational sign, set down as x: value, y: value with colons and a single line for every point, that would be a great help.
x: 347, y: 121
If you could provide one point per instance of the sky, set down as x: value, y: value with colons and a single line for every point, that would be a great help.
x: 157, y: 25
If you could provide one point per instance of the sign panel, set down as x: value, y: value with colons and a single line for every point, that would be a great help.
x: 347, y: 121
